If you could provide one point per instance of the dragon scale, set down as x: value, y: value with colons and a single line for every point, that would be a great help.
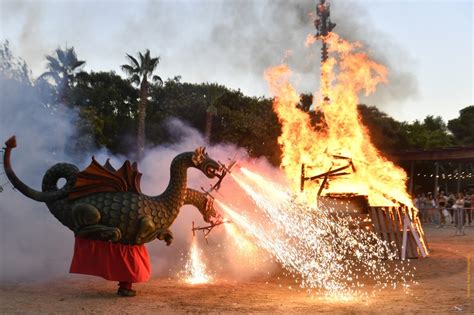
x: 128, y: 217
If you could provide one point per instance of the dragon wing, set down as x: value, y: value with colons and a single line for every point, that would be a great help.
x: 130, y: 174
x: 104, y: 178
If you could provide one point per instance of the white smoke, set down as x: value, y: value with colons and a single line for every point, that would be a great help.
x: 221, y: 254
x: 34, y: 246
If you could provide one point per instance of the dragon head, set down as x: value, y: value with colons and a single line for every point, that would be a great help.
x: 210, y: 215
x: 203, y: 162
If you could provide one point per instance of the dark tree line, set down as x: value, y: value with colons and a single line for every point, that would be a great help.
x: 110, y: 108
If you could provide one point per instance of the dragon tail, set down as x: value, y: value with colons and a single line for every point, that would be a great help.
x: 50, y: 191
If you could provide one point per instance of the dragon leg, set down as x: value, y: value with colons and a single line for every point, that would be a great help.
x: 86, y: 218
x: 146, y: 230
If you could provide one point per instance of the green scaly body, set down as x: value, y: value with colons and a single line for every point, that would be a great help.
x: 125, y: 217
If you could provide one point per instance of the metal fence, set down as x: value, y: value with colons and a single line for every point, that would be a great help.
x: 454, y: 215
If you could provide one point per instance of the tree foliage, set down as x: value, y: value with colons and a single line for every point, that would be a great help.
x: 108, y: 108
x: 248, y: 122
x: 430, y: 133
x: 385, y: 132
x: 109, y: 104
x: 63, y: 67
x: 462, y: 127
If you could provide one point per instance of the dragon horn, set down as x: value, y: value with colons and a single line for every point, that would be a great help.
x: 198, y: 155
x: 199, y: 151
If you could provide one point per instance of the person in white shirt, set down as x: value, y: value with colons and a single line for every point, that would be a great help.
x: 459, y: 209
x: 442, y: 201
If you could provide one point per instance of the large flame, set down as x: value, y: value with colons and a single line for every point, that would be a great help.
x: 346, y: 73
x: 195, y: 269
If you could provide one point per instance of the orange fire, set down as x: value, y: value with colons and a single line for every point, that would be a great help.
x: 347, y: 72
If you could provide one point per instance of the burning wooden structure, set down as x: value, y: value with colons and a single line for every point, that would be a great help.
x: 399, y: 225
x: 390, y: 214
x: 339, y: 168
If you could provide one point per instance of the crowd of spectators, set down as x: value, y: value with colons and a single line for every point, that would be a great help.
x: 445, y: 208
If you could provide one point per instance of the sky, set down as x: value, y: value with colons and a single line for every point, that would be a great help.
x: 426, y: 45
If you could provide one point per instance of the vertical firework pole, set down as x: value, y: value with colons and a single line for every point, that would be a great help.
x: 323, y: 25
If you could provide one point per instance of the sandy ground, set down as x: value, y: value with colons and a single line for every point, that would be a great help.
x: 442, y: 288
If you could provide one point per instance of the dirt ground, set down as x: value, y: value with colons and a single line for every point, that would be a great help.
x: 442, y: 288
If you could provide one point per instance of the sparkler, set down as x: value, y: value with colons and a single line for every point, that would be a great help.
x: 206, y: 230
x: 195, y: 269
x: 315, y: 244
x: 225, y: 169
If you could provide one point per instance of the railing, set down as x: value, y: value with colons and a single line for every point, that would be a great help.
x: 433, y: 216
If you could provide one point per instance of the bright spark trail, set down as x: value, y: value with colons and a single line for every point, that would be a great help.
x: 195, y: 269
x: 323, y: 249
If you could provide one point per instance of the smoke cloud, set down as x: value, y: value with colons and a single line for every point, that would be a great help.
x: 33, y: 246
x: 229, y: 42
x: 222, y: 255
x: 354, y: 24
x: 36, y: 247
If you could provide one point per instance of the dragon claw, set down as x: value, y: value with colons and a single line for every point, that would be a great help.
x: 165, y: 235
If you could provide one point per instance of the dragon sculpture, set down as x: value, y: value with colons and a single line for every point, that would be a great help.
x: 103, y: 203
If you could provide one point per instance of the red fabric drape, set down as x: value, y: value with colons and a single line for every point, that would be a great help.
x: 111, y: 261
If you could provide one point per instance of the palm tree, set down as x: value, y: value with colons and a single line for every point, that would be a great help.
x: 62, y: 69
x: 139, y: 73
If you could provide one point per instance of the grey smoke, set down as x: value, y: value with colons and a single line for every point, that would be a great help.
x: 354, y: 24
x: 33, y: 44
x: 229, y: 42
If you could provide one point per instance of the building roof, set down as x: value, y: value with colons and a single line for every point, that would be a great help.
x: 464, y: 153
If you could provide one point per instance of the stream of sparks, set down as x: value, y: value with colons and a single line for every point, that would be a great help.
x: 195, y: 269
x: 322, y: 249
